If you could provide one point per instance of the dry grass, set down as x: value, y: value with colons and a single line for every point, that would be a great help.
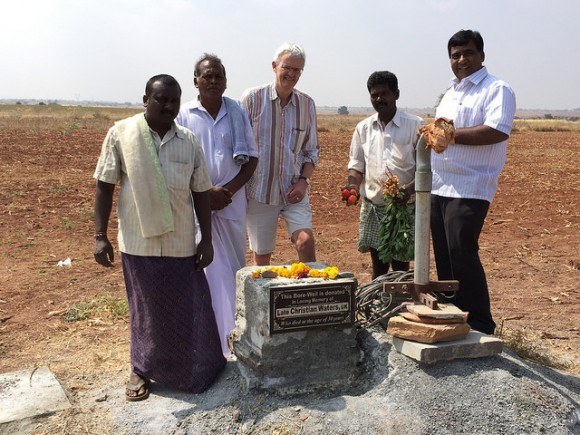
x: 525, y: 345
x: 545, y: 125
x: 64, y: 119
x: 338, y: 123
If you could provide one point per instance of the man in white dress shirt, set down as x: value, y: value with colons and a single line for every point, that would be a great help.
x: 222, y: 126
x: 465, y: 176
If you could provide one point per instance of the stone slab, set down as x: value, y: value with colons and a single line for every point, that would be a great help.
x: 444, y: 311
x: 431, y: 320
x: 475, y: 345
x: 425, y: 332
x: 28, y: 393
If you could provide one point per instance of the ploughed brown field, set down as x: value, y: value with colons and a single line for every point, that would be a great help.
x: 72, y: 318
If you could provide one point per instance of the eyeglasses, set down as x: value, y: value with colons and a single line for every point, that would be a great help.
x: 288, y: 68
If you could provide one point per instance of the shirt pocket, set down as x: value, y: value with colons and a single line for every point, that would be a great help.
x: 178, y: 175
x: 297, y: 137
x: 227, y: 141
x: 400, y: 158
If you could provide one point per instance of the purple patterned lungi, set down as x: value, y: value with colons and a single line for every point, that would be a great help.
x: 174, y: 337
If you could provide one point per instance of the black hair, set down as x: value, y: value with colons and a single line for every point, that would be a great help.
x: 209, y: 57
x: 383, y: 78
x: 166, y: 79
x: 463, y: 37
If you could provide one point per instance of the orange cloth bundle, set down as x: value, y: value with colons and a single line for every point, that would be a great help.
x: 439, y: 134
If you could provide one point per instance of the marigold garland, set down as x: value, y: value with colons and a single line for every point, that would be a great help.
x: 297, y: 270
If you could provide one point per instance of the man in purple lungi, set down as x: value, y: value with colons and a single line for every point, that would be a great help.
x: 163, y: 178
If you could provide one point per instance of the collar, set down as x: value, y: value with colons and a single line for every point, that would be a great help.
x: 192, y: 105
x: 396, y: 119
x: 274, y: 94
x: 177, y: 131
x: 474, y: 78
x: 195, y: 104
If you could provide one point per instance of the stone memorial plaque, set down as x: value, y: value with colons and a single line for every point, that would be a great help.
x: 307, y: 306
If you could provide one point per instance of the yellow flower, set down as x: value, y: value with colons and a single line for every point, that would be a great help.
x: 299, y: 270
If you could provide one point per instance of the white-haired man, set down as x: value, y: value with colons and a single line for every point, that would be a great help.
x: 284, y: 123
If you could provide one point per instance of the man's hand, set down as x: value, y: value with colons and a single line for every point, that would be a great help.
x: 297, y: 191
x: 219, y: 197
x: 204, y: 254
x: 403, y: 196
x: 350, y: 194
x: 104, y: 252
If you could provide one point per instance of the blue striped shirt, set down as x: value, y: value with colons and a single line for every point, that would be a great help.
x: 472, y: 171
x: 287, y: 138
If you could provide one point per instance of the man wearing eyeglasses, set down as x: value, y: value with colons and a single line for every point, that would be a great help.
x: 283, y: 120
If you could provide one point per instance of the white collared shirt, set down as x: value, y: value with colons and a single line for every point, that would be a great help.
x: 373, y: 148
x: 472, y: 171
x: 216, y: 141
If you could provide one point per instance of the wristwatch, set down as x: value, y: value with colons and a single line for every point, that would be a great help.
x: 302, y: 177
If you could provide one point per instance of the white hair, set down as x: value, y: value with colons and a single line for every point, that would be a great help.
x: 289, y: 48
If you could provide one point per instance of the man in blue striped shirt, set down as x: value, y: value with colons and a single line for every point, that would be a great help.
x: 283, y: 120
x: 465, y: 176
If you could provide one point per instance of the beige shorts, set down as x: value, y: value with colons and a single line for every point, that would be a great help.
x: 262, y: 222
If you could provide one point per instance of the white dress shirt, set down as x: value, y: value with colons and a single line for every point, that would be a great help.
x: 373, y: 149
x: 472, y: 171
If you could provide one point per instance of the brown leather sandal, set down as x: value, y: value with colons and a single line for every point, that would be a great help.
x: 137, y: 388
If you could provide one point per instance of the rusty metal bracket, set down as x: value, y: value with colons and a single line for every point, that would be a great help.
x: 420, y: 292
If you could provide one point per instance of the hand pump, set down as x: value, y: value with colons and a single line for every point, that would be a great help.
x: 421, y: 286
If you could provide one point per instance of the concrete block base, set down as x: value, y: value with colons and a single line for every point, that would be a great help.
x: 301, y: 362
x: 475, y: 345
x: 293, y: 361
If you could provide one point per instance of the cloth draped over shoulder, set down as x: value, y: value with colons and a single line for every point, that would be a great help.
x: 237, y: 126
x: 142, y: 162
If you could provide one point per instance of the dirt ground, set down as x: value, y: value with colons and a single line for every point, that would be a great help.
x: 529, y: 247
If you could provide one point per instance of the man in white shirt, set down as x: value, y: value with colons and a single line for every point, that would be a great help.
x: 465, y: 176
x: 384, y: 140
x: 222, y: 126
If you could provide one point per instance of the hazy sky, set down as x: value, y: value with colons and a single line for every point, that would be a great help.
x: 105, y: 50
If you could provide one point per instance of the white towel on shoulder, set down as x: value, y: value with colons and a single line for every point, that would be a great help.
x: 142, y: 163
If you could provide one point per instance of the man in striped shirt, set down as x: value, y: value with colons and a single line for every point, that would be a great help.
x: 283, y: 120
x: 465, y: 176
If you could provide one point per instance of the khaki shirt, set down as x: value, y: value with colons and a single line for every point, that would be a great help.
x: 183, y: 166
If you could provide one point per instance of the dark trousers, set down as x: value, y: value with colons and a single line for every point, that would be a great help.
x: 456, y: 224
x: 380, y: 268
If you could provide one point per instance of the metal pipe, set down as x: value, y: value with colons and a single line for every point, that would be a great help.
x: 423, y: 182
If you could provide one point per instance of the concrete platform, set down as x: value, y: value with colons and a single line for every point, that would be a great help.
x: 28, y: 393
x: 475, y: 345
